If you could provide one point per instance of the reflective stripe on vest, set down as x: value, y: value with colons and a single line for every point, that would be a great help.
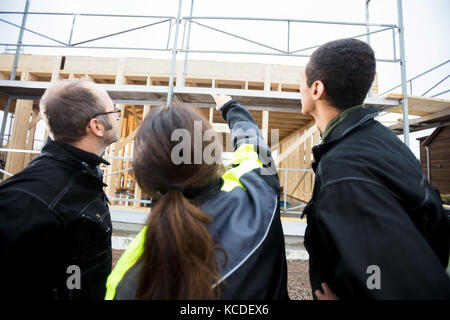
x: 246, y: 159
x: 126, y: 261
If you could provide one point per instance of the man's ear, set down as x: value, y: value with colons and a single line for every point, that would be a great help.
x: 318, y: 90
x: 96, y: 128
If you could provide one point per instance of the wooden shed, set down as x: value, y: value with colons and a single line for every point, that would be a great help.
x: 435, y: 158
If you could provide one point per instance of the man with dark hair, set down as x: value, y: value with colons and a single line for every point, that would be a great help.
x: 376, y: 227
x: 55, y: 225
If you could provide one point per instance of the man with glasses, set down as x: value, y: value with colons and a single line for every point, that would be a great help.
x: 55, y: 225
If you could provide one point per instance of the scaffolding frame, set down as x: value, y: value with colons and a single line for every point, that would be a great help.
x: 410, y: 81
x: 185, y: 48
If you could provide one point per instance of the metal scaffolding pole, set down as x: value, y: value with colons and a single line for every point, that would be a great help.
x: 13, y: 72
x: 174, y: 55
x: 362, y: 24
x: 403, y: 73
x: 418, y: 76
x: 71, y: 30
x: 367, y: 22
x: 183, y: 79
x: 368, y: 35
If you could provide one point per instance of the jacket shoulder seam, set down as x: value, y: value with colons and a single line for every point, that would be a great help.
x: 64, y: 191
x: 35, y: 196
x: 359, y: 179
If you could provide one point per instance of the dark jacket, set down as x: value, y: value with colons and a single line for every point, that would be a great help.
x: 373, y: 206
x: 244, y: 206
x: 54, y: 214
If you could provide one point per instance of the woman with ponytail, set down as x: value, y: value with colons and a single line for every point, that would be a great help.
x: 208, y: 235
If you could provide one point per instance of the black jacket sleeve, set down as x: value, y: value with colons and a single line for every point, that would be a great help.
x: 373, y: 234
x: 244, y: 130
x: 25, y: 223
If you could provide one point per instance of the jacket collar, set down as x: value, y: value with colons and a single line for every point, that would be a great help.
x: 355, y: 119
x: 63, y: 151
x: 87, y: 162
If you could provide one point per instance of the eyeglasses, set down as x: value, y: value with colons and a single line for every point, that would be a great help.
x: 117, y: 110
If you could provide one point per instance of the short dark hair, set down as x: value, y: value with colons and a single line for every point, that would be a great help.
x: 347, y: 69
x: 69, y: 105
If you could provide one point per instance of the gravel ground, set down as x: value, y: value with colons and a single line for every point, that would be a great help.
x: 298, y: 277
x: 298, y: 280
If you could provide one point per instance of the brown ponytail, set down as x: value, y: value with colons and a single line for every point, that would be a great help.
x: 179, y: 258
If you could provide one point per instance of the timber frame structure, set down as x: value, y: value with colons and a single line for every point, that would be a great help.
x: 269, y: 91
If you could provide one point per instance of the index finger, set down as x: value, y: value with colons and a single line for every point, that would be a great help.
x: 319, y: 295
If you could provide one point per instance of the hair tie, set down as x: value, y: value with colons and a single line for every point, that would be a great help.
x: 175, y: 187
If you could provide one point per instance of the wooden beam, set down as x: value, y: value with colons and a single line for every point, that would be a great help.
x: 299, y: 195
x: 126, y: 174
x: 114, y: 151
x: 15, y: 162
x: 31, y: 132
x: 374, y: 88
x: 316, y: 138
x: 145, y: 111
x: 285, y: 139
x: 295, y: 144
x: 265, y: 125
x: 211, y: 114
x: 56, y: 68
x: 267, y: 77
x: 116, y: 148
x: 308, y: 184
x: 127, y: 140
x: 221, y: 127
x: 295, y: 175
x: 34, y: 121
x: 120, y: 78
x: 419, y: 106
x: 137, y: 188
x: 137, y: 195
x: 55, y: 77
x: 428, y: 117
x: 136, y: 118
x: 302, y: 165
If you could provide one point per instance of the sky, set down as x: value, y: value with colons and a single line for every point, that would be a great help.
x: 426, y: 25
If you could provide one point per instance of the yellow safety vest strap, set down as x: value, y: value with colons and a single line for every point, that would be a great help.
x: 126, y: 261
x: 246, y: 159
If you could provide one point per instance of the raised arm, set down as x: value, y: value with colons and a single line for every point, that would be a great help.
x: 245, y: 131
